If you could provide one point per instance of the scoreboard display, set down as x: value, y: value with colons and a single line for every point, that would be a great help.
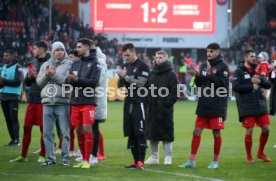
x: 154, y: 16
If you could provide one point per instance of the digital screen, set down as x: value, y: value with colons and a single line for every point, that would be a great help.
x: 153, y: 16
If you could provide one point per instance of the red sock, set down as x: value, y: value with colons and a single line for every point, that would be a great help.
x: 72, y: 139
x: 101, y: 144
x: 217, y: 145
x: 81, y: 144
x: 248, y: 145
x: 263, y: 140
x: 26, y: 140
x: 88, y: 144
x: 42, y: 145
x: 195, y: 145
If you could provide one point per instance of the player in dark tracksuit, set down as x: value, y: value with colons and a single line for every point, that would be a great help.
x: 251, y: 103
x: 133, y: 76
x: 211, y: 109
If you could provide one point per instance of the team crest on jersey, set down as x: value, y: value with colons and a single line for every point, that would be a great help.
x: 214, y: 71
x: 89, y: 65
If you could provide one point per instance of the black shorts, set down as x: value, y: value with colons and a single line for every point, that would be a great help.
x: 134, y: 119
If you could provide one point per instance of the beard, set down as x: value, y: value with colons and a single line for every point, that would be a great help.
x: 253, y: 65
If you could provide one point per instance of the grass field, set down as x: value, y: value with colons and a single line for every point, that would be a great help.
x: 232, y: 161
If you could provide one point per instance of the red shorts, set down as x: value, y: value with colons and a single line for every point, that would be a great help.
x: 209, y: 122
x: 83, y: 114
x: 34, y: 115
x: 259, y: 120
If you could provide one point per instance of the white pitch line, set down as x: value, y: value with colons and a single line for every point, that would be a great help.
x: 146, y: 170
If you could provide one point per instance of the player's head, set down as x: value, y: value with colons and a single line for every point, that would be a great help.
x: 8, y: 56
x: 161, y: 57
x: 73, y: 55
x: 250, y: 57
x: 83, y: 47
x: 263, y: 56
x: 129, y: 53
x: 213, y: 51
x: 39, y: 49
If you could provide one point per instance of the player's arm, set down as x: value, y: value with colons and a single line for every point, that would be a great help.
x: 18, y: 78
x: 142, y: 77
x: 172, y: 97
x: 239, y: 86
x: 221, y: 79
x: 200, y: 76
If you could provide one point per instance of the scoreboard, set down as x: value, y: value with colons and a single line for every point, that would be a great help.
x: 154, y: 16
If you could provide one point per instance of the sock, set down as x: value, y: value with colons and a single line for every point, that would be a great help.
x: 263, y: 140
x: 217, y: 145
x: 60, y: 142
x: 141, y: 144
x: 195, y: 145
x: 248, y: 145
x: 134, y: 154
x: 26, y: 140
x: 42, y: 145
x: 72, y: 139
x: 81, y: 144
x: 88, y: 144
x: 101, y: 144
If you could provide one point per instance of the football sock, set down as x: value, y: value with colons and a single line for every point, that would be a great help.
x: 217, y: 145
x: 248, y: 145
x: 263, y: 140
x: 194, y: 146
x: 26, y: 140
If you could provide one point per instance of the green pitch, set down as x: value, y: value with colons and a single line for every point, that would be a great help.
x: 232, y: 164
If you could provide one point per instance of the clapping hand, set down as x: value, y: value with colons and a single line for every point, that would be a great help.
x: 121, y: 71
x: 50, y: 70
x: 72, y: 77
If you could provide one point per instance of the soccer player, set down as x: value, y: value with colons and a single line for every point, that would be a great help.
x: 161, y: 125
x: 56, y: 103
x: 33, y: 116
x: 85, y: 73
x: 211, y: 109
x: 251, y: 103
x: 11, y: 77
x: 134, y: 75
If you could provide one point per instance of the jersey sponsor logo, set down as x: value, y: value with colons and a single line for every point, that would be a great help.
x: 246, y: 76
x: 145, y: 73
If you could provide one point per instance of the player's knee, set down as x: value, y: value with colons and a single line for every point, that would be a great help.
x: 265, y: 129
x: 197, y: 131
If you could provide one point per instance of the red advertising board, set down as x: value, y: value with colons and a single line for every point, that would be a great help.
x: 154, y: 16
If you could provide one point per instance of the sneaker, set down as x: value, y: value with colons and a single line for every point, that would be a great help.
x: 188, y: 164
x: 72, y: 154
x: 79, y: 159
x: 168, y: 160
x: 133, y: 165
x: 140, y: 165
x: 152, y: 160
x: 213, y: 165
x: 16, y: 143
x: 79, y: 165
x: 93, y: 160
x: 48, y: 163
x: 85, y: 164
x: 58, y: 151
x: 264, y: 158
x: 101, y: 157
x: 9, y: 144
x: 65, y: 163
x: 19, y: 159
x: 37, y: 151
x: 250, y: 161
x: 41, y: 159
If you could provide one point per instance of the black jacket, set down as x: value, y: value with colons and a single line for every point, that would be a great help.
x: 272, y: 104
x: 34, y: 93
x: 88, y: 71
x: 249, y: 102
x: 213, y: 105
x: 160, y: 123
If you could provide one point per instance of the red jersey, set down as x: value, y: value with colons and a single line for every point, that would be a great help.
x: 263, y: 68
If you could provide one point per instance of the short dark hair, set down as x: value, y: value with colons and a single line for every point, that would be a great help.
x: 11, y: 52
x: 128, y: 46
x: 213, y: 46
x: 74, y: 52
x: 247, y: 52
x: 85, y: 41
x: 41, y: 44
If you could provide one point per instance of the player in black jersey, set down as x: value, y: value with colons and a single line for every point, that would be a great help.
x: 134, y: 76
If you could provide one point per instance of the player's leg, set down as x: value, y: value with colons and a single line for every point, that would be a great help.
x: 167, y: 152
x: 154, y: 157
x: 101, y: 154
x: 96, y: 134
x: 263, y: 122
